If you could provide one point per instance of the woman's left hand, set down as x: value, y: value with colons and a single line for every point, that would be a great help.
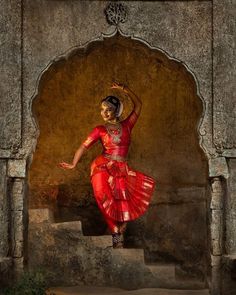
x: 116, y: 85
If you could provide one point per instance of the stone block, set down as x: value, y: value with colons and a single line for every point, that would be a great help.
x: 216, y: 201
x: 17, y: 168
x: 218, y: 167
x: 216, y: 227
x: 68, y: 226
x: 4, y: 220
x: 18, y: 264
x: 229, y: 153
x: 217, y: 194
x: 40, y: 215
x: 18, y: 195
x: 230, y: 243
x: 18, y: 248
x: 216, y: 185
x: 131, y: 255
x: 100, y: 241
x: 18, y: 226
x: 5, y: 154
x: 232, y: 179
x: 3, y: 233
x: 215, y: 260
x: 3, y: 184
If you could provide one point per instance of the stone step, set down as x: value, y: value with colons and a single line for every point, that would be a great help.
x: 67, y: 226
x: 101, y: 264
x: 129, y: 255
x: 165, y: 275
x: 87, y: 290
x: 99, y: 241
x: 193, y: 284
x: 162, y: 271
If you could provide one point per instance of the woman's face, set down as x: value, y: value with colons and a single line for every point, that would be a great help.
x: 107, y: 112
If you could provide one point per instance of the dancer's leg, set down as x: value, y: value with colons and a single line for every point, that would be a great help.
x: 112, y: 224
x: 101, y: 188
x: 122, y: 227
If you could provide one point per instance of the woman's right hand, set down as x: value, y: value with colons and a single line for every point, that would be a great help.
x: 65, y: 165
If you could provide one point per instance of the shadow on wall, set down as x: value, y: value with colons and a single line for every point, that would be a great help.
x: 165, y: 144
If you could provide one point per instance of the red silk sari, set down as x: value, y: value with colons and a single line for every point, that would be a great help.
x: 122, y: 193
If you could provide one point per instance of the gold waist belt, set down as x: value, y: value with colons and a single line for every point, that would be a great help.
x: 115, y: 157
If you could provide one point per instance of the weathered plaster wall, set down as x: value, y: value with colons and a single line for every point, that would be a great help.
x: 34, y: 33
x: 50, y: 30
x: 224, y: 75
x: 10, y: 82
x: 164, y: 142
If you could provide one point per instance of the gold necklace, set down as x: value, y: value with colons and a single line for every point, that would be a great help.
x: 114, y: 133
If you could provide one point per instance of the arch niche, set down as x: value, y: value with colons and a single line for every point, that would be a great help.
x: 165, y: 144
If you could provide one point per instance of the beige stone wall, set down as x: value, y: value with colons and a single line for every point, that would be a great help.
x: 165, y: 141
x: 200, y: 34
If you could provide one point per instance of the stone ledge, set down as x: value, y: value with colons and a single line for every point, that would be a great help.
x: 87, y: 290
x: 17, y: 168
x: 218, y: 167
x: 5, y: 153
x: 71, y: 226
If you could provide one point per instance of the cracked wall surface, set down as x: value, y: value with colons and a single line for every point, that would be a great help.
x: 34, y: 34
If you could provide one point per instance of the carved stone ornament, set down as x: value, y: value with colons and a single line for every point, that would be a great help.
x: 116, y: 13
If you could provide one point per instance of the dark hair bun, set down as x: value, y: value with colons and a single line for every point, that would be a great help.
x: 113, y: 100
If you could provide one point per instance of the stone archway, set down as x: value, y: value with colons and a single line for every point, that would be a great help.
x: 165, y: 143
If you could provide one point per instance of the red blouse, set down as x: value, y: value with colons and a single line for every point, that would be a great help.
x: 110, y: 146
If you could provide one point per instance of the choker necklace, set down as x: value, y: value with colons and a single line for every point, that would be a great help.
x: 115, y: 133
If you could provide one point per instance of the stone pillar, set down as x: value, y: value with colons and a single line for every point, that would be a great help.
x: 216, y: 229
x: 4, y: 212
x: 230, y: 212
x: 17, y: 173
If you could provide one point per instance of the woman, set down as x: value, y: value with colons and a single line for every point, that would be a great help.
x: 122, y: 194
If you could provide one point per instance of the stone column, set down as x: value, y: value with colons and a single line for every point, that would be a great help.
x: 216, y: 229
x: 17, y: 173
x: 4, y: 212
x: 230, y: 212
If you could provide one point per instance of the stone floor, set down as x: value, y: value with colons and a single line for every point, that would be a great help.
x: 82, y: 290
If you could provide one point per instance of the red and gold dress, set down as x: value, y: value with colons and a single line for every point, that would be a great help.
x: 122, y: 193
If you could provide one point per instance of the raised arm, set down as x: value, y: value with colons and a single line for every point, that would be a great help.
x: 135, y: 99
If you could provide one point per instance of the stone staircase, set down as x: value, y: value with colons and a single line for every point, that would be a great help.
x: 74, y: 259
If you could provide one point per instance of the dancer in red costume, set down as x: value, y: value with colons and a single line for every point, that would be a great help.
x: 122, y: 193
